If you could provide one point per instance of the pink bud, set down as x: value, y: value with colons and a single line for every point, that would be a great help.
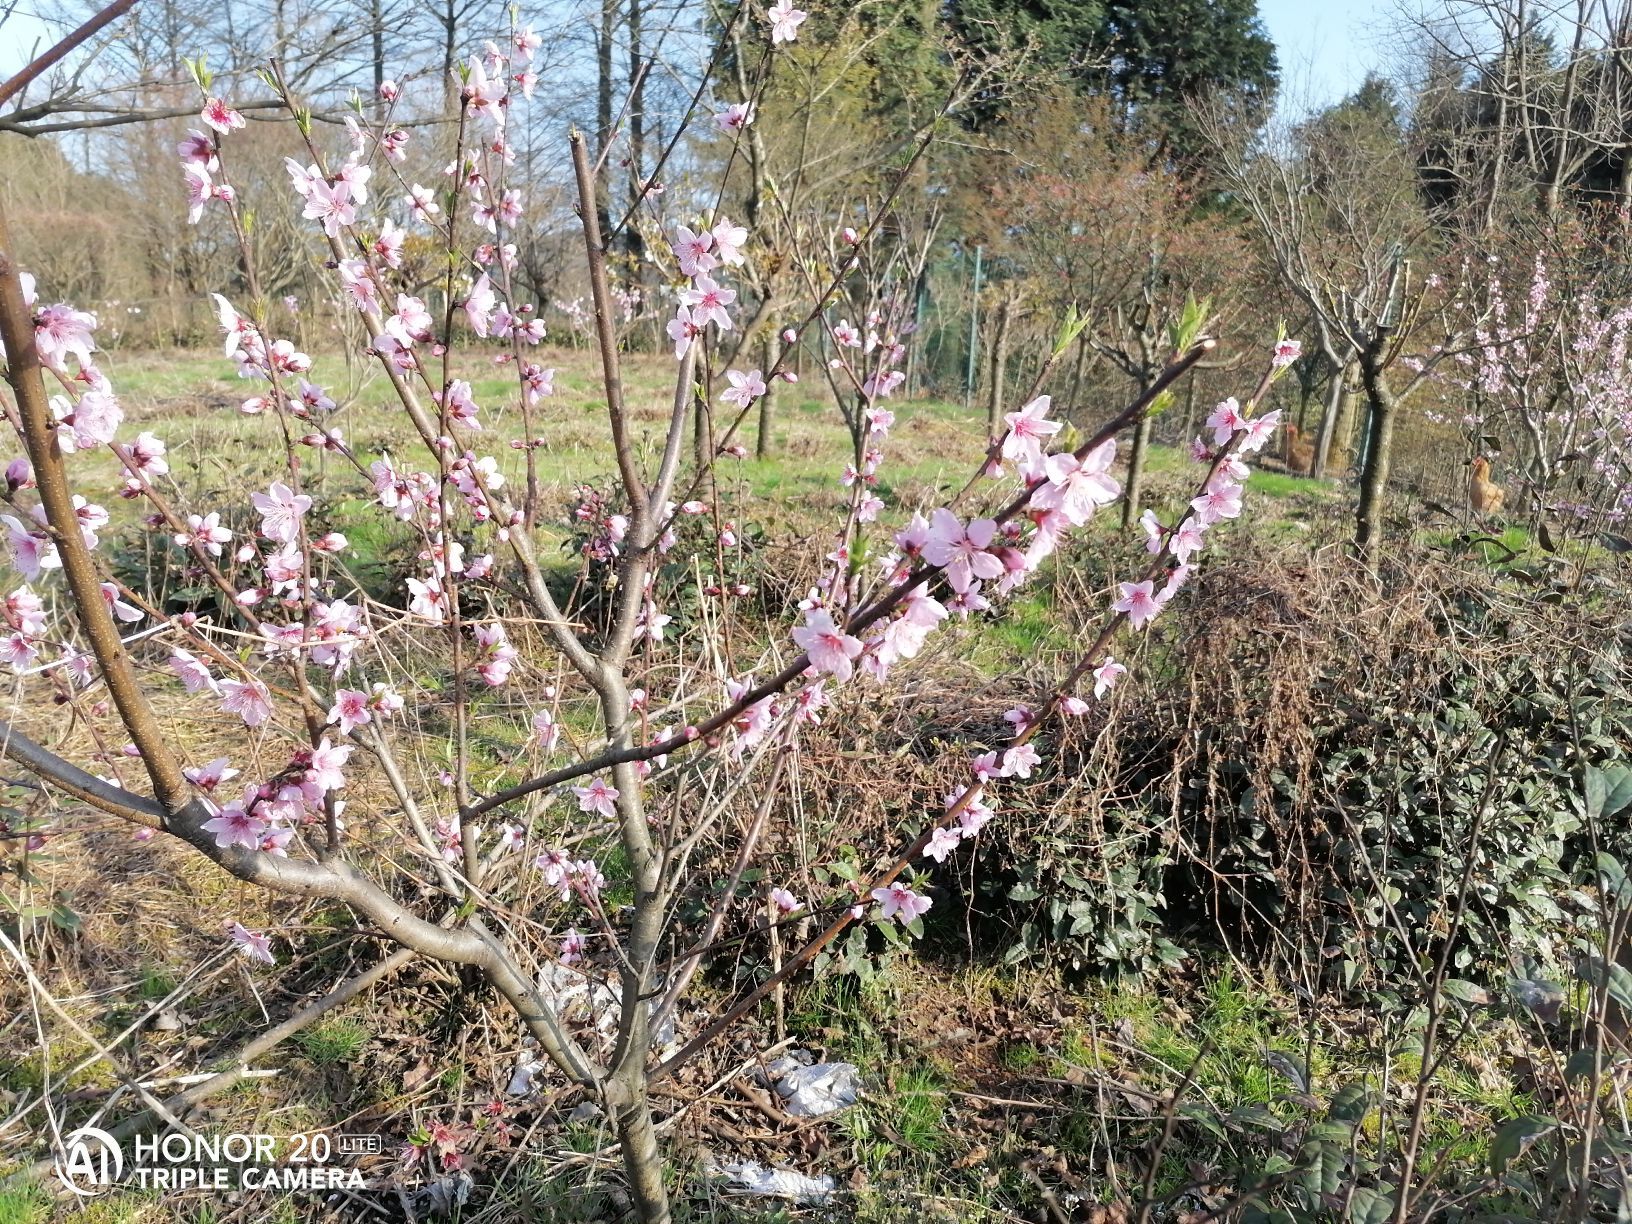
x: 789, y: 336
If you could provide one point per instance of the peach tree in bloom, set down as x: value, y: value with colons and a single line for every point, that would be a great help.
x: 650, y: 734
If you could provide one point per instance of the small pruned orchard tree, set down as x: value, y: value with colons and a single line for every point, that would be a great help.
x: 659, y: 696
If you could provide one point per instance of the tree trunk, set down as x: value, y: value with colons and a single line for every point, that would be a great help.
x: 1136, y: 472
x: 699, y: 432
x: 1000, y: 361
x: 450, y: 45
x: 637, y: 135
x: 376, y: 18
x: 1342, y: 457
x: 1380, y: 402
x: 1328, y: 422
x: 642, y: 1159
x: 603, y: 113
x: 766, y: 443
x: 1079, y: 371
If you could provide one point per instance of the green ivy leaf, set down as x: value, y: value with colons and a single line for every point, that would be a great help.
x: 1515, y: 1137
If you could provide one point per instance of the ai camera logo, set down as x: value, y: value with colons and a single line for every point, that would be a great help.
x: 91, y: 1162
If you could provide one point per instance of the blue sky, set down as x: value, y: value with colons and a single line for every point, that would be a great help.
x: 1325, y: 48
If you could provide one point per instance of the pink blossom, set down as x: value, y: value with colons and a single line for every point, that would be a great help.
x: 1187, y: 540
x: 411, y: 322
x: 249, y: 700
x: 1106, y: 675
x: 1029, y: 430
x: 1286, y: 352
x: 208, y: 777
x: 942, y: 843
x: 26, y: 611
x: 198, y: 149
x: 975, y: 814
x: 350, y: 710
x: 694, y: 251
x: 281, y: 509
x: 962, y: 551
x: 251, y: 944
x: 388, y: 246
x: 682, y: 331
x: 1020, y: 760
x: 734, y: 117
x: 128, y: 613
x: 422, y: 203
x: 546, y: 730
x: 1225, y: 420
x: 479, y: 305
x: 597, y: 797
x: 204, y: 531
x: 1138, y: 602
x: 708, y: 301
x: 18, y: 651
x: 785, y: 21
x: 1220, y: 500
x: 831, y: 651
x: 30, y: 553
x: 61, y: 331
x: 218, y: 115
x: 332, y: 205
x: 785, y: 902
x: 327, y: 763
x: 899, y: 902
x: 355, y: 176
x: 986, y: 767
x: 745, y: 388
x: 728, y: 241
x: 1077, y: 487
x: 234, y: 826
x: 572, y: 946
x: 200, y: 190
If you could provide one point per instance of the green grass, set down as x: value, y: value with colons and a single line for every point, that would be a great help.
x: 334, y: 1042
x: 24, y: 1207
x: 157, y: 982
x: 1281, y: 485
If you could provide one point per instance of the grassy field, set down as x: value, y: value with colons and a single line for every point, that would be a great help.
x: 994, y: 1093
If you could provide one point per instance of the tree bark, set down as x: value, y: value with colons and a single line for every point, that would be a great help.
x: 376, y: 18
x: 1368, y: 527
x: 1328, y: 421
x: 1136, y: 472
x: 603, y: 112
x: 1000, y: 361
x: 1342, y: 456
x: 765, y: 446
x: 642, y: 1159
x: 632, y: 242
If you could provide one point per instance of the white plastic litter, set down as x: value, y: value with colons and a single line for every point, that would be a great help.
x: 581, y: 999
x: 814, y: 1090
x: 755, y: 1178
x: 521, y: 1079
